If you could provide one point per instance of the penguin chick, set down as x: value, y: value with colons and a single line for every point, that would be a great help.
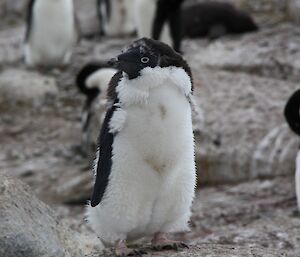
x: 145, y: 167
x: 116, y: 17
x: 168, y: 11
x: 292, y: 116
x: 214, y: 19
x: 51, y: 32
x: 92, y: 80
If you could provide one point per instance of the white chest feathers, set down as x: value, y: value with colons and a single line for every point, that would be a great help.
x: 52, y: 33
x: 138, y: 90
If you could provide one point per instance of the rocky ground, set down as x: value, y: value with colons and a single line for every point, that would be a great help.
x: 246, y: 203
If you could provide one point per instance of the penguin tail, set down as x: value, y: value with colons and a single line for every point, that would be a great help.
x: 291, y: 112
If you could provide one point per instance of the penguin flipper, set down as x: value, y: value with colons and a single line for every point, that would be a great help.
x: 291, y: 112
x: 29, y: 19
x: 104, y: 162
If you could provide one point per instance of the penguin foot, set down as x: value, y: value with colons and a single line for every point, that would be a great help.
x: 161, y: 242
x: 123, y: 251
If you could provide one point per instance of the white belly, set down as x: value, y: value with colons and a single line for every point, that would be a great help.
x: 152, y: 179
x: 52, y: 32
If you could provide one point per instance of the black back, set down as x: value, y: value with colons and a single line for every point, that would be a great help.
x: 199, y: 19
x: 29, y: 19
x: 105, y: 142
x: 168, y: 11
x: 291, y: 112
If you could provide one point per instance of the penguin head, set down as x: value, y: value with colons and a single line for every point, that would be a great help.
x: 147, y: 52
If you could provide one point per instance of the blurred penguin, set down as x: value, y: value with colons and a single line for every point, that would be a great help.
x: 116, y: 17
x: 168, y: 11
x: 291, y: 113
x: 215, y: 19
x: 51, y: 32
x: 145, y: 13
x: 91, y: 81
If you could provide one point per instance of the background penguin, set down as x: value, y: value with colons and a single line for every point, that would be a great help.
x: 168, y: 11
x: 144, y: 12
x: 291, y: 113
x: 116, y: 17
x: 214, y: 19
x: 51, y: 32
x: 145, y: 167
x: 92, y: 80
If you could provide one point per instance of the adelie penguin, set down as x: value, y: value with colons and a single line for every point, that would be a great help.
x: 291, y: 113
x: 92, y: 81
x: 51, y: 32
x: 116, y: 17
x: 145, y: 167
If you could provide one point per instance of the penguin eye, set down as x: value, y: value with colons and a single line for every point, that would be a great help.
x: 145, y: 59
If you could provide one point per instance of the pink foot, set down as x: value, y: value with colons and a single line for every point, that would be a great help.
x: 161, y: 242
x: 123, y: 251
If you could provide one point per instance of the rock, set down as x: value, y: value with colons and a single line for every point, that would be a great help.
x: 243, y: 86
x: 29, y: 227
x: 267, y: 53
x: 245, y: 135
x: 26, y: 88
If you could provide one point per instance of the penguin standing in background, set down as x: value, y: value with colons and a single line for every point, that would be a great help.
x: 291, y: 113
x: 145, y: 12
x: 51, y: 32
x: 145, y: 167
x: 92, y: 80
x: 116, y: 17
x: 168, y: 11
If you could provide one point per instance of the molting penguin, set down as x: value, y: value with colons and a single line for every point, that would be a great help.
x: 214, y: 19
x: 92, y: 80
x: 51, y: 32
x: 291, y: 113
x: 145, y: 167
x: 116, y: 17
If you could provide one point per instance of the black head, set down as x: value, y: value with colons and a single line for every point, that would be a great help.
x: 147, y: 52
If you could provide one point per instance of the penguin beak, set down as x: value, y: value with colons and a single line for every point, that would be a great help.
x: 124, y: 59
x: 113, y: 61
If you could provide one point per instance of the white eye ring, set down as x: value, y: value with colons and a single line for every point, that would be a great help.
x: 145, y: 59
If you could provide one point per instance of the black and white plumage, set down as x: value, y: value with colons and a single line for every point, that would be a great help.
x: 51, y: 32
x: 145, y: 168
x: 116, y: 17
x: 92, y: 80
x: 215, y: 19
x: 291, y: 113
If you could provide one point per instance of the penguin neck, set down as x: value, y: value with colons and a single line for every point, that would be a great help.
x: 136, y: 91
